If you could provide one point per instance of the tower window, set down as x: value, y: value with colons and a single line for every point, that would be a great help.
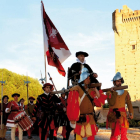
x: 133, y: 47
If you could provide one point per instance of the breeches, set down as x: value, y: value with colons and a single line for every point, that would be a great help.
x: 43, y: 133
x: 63, y: 131
x: 123, y: 132
x: 13, y: 130
x: 78, y: 137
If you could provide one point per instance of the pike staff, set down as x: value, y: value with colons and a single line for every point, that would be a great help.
x: 42, y: 79
x: 52, y: 81
x: 2, y: 83
x: 27, y: 82
x: 68, y: 80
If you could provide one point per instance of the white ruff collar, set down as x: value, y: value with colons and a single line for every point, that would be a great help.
x: 80, y: 61
x: 31, y: 103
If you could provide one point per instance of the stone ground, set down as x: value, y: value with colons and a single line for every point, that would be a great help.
x: 103, y: 134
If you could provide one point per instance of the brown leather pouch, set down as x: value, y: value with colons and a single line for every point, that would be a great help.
x: 111, y: 117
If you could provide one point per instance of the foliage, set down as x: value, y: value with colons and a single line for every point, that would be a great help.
x: 15, y: 84
x: 132, y: 123
x: 101, y: 124
x: 138, y: 123
x: 106, y: 105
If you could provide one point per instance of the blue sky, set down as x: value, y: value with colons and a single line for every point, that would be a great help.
x: 85, y: 25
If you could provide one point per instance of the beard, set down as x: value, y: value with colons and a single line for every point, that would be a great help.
x: 118, y: 85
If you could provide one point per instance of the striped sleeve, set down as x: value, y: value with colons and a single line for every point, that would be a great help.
x: 37, y: 105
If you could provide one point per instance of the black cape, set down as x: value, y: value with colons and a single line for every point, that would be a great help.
x: 76, y: 67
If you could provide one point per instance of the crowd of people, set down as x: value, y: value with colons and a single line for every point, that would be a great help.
x: 73, y: 110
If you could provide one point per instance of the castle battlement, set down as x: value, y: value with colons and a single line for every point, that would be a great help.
x: 125, y: 15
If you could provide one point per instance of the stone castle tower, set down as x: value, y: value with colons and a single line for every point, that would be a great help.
x: 126, y: 26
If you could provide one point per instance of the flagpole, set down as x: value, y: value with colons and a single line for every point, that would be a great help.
x: 44, y: 44
x: 45, y: 66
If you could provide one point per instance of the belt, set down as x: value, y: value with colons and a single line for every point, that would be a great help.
x: 14, y: 112
x: 82, y: 118
x: 87, y: 114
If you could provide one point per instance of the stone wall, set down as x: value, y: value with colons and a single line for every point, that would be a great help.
x: 126, y: 26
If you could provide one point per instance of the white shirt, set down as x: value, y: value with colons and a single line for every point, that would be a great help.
x: 46, y: 93
x: 21, y: 105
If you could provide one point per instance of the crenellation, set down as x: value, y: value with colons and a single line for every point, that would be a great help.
x: 126, y: 15
x: 117, y: 11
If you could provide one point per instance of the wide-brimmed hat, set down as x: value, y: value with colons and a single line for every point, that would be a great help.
x: 4, y: 97
x: 47, y: 84
x: 118, y: 77
x: 84, y: 75
x: 80, y: 52
x: 31, y: 98
x: 15, y: 94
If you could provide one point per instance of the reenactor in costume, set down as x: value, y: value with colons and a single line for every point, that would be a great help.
x: 63, y: 120
x: 46, y: 102
x: 80, y: 107
x: 21, y: 103
x: 61, y: 117
x: 13, y: 108
x: 117, y: 118
x: 4, y: 116
x: 29, y: 110
x: 30, y: 106
x: 75, y: 69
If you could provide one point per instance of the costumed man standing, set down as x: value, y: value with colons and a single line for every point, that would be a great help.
x: 46, y: 102
x: 13, y: 108
x: 21, y: 103
x: 29, y: 110
x: 80, y: 108
x: 75, y: 69
x: 117, y: 117
x: 4, y: 117
x: 61, y: 117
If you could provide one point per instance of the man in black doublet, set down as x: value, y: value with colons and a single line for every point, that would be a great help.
x: 75, y: 69
x: 47, y: 103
